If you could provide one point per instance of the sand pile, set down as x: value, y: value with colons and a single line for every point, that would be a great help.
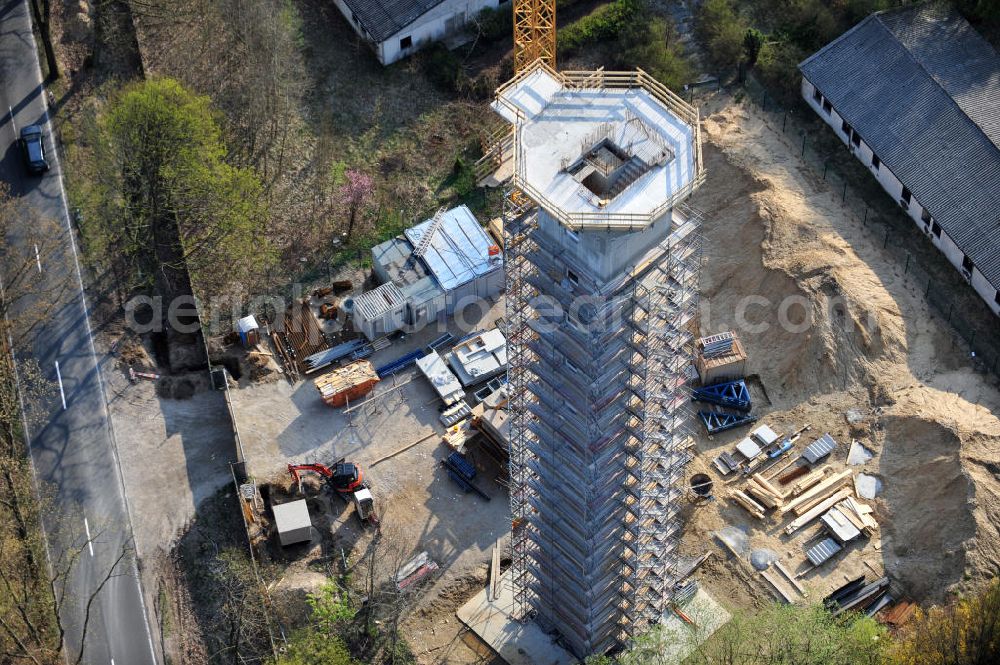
x: 831, y: 326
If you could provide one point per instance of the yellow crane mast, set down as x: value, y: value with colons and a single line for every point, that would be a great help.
x: 534, y: 32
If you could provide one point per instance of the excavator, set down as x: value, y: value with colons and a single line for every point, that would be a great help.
x: 347, y: 481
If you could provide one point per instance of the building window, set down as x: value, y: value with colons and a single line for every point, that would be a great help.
x: 405, y: 42
x: 856, y: 139
x: 845, y: 127
x: 966, y: 263
x: 571, y: 276
x: 936, y: 229
x: 905, y: 196
x: 876, y: 162
x: 817, y: 95
x: 925, y: 217
x: 827, y: 106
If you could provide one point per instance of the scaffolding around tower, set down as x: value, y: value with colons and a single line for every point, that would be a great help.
x: 602, y: 263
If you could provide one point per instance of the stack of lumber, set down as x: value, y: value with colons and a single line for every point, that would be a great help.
x: 456, y: 435
x: 899, y: 613
x: 350, y: 382
x: 748, y: 504
x: 817, y: 510
x: 818, y: 493
x: 764, y: 492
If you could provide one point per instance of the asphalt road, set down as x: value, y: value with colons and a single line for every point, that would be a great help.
x: 72, y: 444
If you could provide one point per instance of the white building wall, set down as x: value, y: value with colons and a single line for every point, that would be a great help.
x: 894, y: 187
x: 437, y: 23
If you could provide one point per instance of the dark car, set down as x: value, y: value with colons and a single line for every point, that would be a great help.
x: 33, y: 148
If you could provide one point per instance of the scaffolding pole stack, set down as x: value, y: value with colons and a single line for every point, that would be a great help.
x: 598, y: 436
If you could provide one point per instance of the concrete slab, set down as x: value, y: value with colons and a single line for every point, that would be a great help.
x: 515, y: 642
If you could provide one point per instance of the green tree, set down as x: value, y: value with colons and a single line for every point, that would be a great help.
x: 964, y: 633
x: 721, y: 31
x: 792, y: 635
x: 166, y: 197
x: 655, y: 48
x: 309, y: 647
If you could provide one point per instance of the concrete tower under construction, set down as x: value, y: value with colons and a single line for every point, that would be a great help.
x: 602, y: 262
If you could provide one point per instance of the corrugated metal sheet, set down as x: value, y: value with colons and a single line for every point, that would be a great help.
x: 459, y: 251
x: 819, y: 448
x: 922, y: 89
x: 822, y: 551
x: 373, y: 304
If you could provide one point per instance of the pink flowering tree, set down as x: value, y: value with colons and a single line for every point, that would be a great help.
x: 354, y: 193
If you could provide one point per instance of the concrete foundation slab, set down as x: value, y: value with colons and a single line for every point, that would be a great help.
x: 674, y: 639
x: 517, y: 643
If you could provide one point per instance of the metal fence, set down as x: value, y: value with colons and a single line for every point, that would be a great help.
x: 923, y: 268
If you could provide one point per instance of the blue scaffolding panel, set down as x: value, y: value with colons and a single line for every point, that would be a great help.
x: 720, y: 421
x: 732, y: 394
x: 398, y: 364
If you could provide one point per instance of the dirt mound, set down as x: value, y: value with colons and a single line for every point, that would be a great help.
x: 807, y: 331
x: 928, y: 502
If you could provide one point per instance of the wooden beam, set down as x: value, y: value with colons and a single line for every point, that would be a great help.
x: 782, y: 594
x: 816, y: 511
x: 791, y: 578
x: 749, y: 504
x: 830, y: 484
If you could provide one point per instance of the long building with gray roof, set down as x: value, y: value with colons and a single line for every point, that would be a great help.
x: 914, y: 92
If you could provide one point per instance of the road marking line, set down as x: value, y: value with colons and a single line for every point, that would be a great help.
x: 93, y: 354
x: 38, y: 258
x: 62, y: 393
x: 90, y: 541
x: 13, y: 125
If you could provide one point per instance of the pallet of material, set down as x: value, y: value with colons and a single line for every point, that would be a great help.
x: 349, y: 382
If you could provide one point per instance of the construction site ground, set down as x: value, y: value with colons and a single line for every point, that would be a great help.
x: 872, y: 353
x: 872, y: 364
x: 422, y: 509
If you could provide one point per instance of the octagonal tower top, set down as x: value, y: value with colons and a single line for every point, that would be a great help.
x: 601, y: 150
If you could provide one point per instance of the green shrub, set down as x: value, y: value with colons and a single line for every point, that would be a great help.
x: 441, y: 66
x: 307, y: 646
x: 777, y: 68
x: 655, y: 48
x: 606, y: 23
x: 496, y: 24
x: 721, y: 31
